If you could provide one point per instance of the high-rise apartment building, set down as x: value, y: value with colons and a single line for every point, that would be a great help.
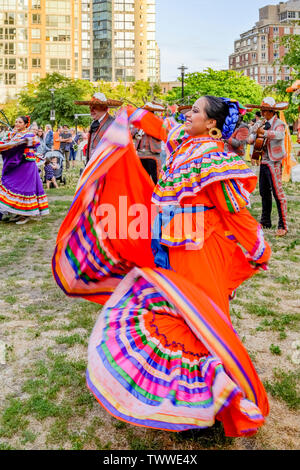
x: 258, y: 50
x: 90, y: 39
x: 38, y: 37
x: 87, y: 39
x: 124, y: 40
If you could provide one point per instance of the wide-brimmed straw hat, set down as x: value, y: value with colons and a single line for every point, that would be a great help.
x: 154, y: 107
x: 294, y: 87
x: 100, y: 100
x: 268, y: 104
x: 184, y: 108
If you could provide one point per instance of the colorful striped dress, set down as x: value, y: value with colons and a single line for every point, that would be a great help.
x: 163, y: 353
x: 21, y: 188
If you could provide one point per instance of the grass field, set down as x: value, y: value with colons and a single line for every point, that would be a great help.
x: 44, y: 402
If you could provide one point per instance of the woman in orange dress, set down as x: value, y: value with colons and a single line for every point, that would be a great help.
x: 163, y: 352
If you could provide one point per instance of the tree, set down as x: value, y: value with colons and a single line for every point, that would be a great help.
x: 12, y: 110
x: 278, y: 91
x: 137, y: 93
x: 291, y: 59
x: 36, y: 97
x: 226, y: 83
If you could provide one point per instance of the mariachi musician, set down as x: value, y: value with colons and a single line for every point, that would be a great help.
x: 148, y: 148
x: 99, y: 106
x: 270, y: 134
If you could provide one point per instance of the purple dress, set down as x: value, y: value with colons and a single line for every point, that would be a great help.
x: 21, y: 188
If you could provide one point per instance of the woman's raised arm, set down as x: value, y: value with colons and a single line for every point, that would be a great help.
x: 148, y: 122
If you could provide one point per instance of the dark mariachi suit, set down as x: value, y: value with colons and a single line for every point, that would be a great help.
x: 96, y: 133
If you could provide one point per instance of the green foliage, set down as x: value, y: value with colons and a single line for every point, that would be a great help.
x: 278, y: 91
x: 137, y: 93
x: 38, y: 100
x: 12, y: 110
x: 292, y: 57
x: 226, y: 83
x: 291, y: 42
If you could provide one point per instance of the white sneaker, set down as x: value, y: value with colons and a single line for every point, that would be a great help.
x: 23, y: 221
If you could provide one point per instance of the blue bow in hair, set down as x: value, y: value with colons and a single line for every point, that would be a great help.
x: 232, y: 118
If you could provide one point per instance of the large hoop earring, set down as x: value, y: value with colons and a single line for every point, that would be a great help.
x: 215, y: 133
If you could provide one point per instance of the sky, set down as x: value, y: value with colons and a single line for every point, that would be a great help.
x: 201, y: 33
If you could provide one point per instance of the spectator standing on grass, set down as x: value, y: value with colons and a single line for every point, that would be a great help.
x: 48, y: 136
x: 42, y: 148
x: 65, y: 144
x: 56, y: 137
x: 74, y: 146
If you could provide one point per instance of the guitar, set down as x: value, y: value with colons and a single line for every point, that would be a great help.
x: 260, y: 142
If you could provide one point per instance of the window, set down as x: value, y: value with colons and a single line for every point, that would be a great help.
x: 22, y: 34
x: 9, y: 48
x: 36, y: 34
x: 58, y: 21
x: 58, y: 35
x: 36, y: 19
x: 36, y: 63
x: 283, y: 16
x: 23, y: 63
x: 10, y: 64
x: 22, y: 48
x: 36, y: 4
x: 22, y: 79
x: 10, y: 79
x: 36, y: 48
x: 9, y: 18
x: 8, y: 33
x: 60, y: 64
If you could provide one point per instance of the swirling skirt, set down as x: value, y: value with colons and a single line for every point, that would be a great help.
x: 160, y: 361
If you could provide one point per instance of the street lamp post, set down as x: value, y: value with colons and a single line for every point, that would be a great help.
x: 182, y: 69
x: 52, y: 112
x: 76, y: 116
